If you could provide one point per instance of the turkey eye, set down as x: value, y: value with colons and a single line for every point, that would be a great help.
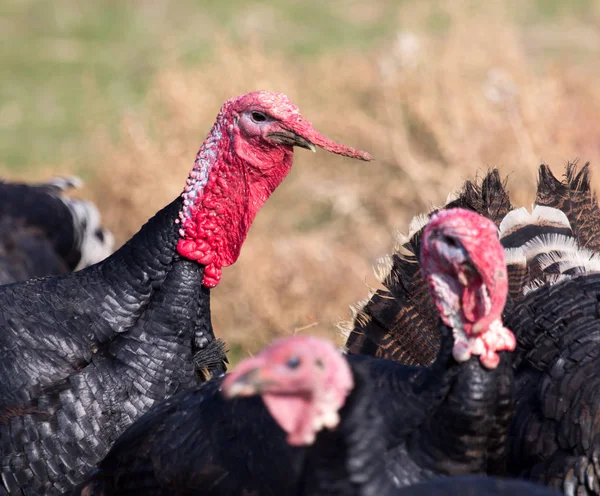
x: 451, y: 242
x: 258, y: 117
x: 293, y: 362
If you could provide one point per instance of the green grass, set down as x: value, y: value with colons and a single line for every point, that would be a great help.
x: 70, y: 66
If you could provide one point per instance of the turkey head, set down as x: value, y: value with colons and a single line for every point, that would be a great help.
x: 303, y: 381
x: 246, y: 155
x: 463, y: 262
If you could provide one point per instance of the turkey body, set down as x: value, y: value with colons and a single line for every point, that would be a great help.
x: 356, y: 458
x: 85, y: 354
x: 555, y: 435
x: 199, y: 442
x: 474, y: 486
x: 400, y: 322
x: 43, y: 232
x: 448, y: 419
x: 553, y: 309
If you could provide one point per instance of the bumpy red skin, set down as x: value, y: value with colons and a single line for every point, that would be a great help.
x: 295, y: 396
x: 479, y: 238
x: 236, y: 170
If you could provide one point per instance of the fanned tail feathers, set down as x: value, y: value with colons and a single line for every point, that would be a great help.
x: 558, y: 239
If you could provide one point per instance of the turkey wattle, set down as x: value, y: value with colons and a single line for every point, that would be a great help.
x: 85, y: 354
x: 554, y: 288
x: 321, y: 401
x: 449, y: 419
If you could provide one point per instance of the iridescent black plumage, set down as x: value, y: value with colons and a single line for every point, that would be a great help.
x: 553, y: 310
x: 86, y: 354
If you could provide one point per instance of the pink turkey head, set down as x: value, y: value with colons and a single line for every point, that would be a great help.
x: 270, y: 125
x: 247, y: 154
x: 463, y: 262
x: 303, y: 381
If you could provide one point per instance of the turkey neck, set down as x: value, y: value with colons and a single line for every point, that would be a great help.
x: 133, y: 274
x: 467, y: 431
x: 159, y: 344
x: 349, y: 460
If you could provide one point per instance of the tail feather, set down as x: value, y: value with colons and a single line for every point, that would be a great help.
x: 518, y: 272
x: 535, y: 244
x: 542, y: 247
x: 402, y: 322
x: 490, y: 198
x: 69, y: 228
x: 93, y: 242
x: 573, y: 196
x: 62, y: 183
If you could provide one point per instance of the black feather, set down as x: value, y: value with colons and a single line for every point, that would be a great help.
x: 85, y: 354
x: 555, y: 434
x: 43, y: 232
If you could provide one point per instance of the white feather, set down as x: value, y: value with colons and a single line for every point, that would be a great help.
x: 452, y: 196
x: 515, y: 256
x: 400, y: 239
x: 345, y: 327
x: 584, y: 261
x: 513, y: 220
x: 383, y: 267
x: 550, y: 216
x: 546, y: 243
x: 66, y: 182
x: 548, y: 280
x: 417, y: 223
x: 87, y: 222
x: 540, y: 215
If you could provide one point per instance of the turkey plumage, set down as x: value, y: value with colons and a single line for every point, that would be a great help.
x: 553, y: 263
x: 44, y: 232
x: 83, y: 355
x: 449, y: 419
x: 321, y: 401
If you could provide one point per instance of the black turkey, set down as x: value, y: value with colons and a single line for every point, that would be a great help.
x: 475, y: 486
x: 449, y: 419
x: 320, y: 401
x: 83, y: 355
x: 552, y: 257
x: 43, y: 232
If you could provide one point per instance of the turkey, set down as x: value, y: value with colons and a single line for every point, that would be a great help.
x: 475, y: 486
x: 307, y: 386
x: 83, y: 355
x: 553, y: 262
x: 399, y: 323
x: 44, y: 232
x: 449, y: 419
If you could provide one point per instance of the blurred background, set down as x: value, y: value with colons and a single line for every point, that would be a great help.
x: 123, y: 93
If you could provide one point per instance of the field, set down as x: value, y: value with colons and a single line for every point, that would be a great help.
x: 123, y: 94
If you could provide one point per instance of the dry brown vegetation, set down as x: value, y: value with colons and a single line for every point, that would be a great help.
x: 433, y: 111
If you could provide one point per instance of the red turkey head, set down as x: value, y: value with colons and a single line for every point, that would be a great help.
x: 303, y: 381
x: 463, y: 262
x: 246, y: 155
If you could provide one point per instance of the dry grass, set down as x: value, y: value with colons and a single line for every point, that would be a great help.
x: 433, y: 110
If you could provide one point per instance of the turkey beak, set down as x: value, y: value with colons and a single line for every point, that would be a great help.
x: 286, y: 137
x: 247, y: 379
x: 467, y: 271
x: 247, y: 384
